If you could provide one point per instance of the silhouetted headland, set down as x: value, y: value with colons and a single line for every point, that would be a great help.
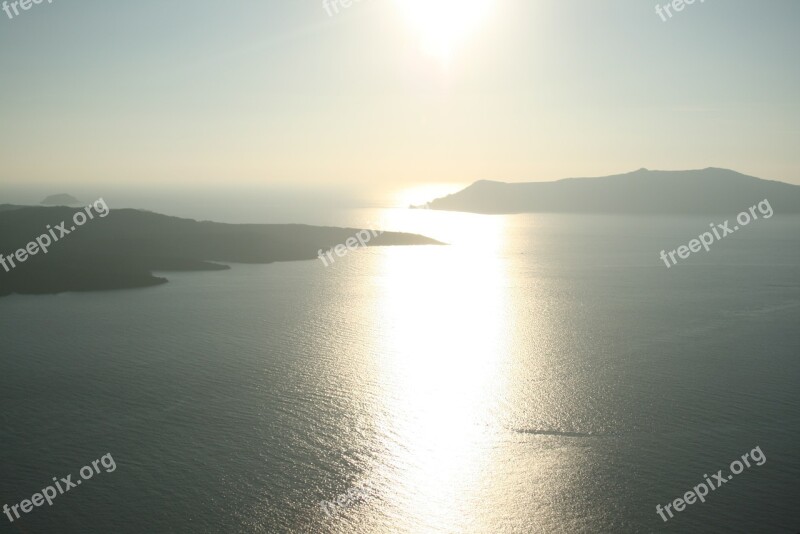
x: 700, y: 192
x: 122, y: 249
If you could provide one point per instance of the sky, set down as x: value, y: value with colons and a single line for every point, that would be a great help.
x: 392, y: 92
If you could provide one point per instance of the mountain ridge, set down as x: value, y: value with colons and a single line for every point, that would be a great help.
x: 705, y: 191
x: 122, y: 249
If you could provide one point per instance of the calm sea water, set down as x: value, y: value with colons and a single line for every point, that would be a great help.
x: 540, y: 374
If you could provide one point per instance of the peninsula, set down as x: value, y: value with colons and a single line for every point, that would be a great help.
x: 123, y: 249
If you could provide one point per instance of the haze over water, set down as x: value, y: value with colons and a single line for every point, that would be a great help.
x: 530, y: 377
x: 186, y: 285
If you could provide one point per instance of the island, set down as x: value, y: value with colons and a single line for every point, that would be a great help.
x: 694, y: 192
x: 123, y: 249
x: 62, y: 199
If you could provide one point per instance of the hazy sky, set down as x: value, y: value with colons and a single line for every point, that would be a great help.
x: 261, y: 91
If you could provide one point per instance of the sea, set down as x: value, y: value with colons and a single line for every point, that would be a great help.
x: 536, y: 373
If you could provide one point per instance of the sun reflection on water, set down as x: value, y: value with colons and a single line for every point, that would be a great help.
x: 442, y: 367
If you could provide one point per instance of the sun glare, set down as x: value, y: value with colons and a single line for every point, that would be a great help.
x: 443, y: 25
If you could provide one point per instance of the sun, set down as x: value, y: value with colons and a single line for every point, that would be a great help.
x: 443, y: 25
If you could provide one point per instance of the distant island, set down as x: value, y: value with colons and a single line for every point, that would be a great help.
x: 122, y: 249
x: 698, y: 192
x: 62, y: 199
